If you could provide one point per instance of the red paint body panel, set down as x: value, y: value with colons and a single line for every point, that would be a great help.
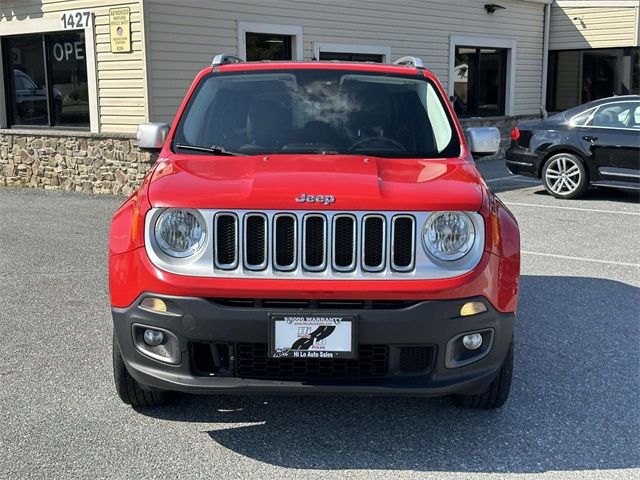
x: 127, y: 224
x: 132, y: 273
x: 272, y: 182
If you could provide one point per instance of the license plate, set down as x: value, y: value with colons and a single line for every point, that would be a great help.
x: 312, y: 336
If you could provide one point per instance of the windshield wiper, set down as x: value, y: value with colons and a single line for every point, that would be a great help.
x: 215, y: 149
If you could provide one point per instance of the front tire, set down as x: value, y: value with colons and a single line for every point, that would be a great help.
x: 129, y: 390
x: 564, y: 176
x: 496, y: 395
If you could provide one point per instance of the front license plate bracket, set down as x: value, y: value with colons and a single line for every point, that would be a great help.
x: 299, y: 335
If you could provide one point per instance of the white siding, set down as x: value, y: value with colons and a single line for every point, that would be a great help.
x: 121, y: 77
x: 182, y: 39
x: 593, y: 27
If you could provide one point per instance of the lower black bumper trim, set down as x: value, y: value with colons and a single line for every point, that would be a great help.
x: 425, y: 323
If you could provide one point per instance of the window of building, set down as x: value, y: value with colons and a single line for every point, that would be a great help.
x: 351, y: 53
x: 46, y: 80
x: 351, y: 57
x: 266, y: 41
x: 265, y: 46
x: 581, y: 76
x: 479, y: 81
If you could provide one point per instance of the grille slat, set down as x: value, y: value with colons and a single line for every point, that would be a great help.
x: 226, y: 243
x: 403, y: 238
x: 255, y: 241
x: 344, y: 243
x: 373, y: 243
x: 341, y: 243
x: 314, y: 243
x: 285, y: 242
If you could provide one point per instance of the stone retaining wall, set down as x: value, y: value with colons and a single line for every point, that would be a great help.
x: 109, y: 163
x: 504, y: 124
x: 95, y: 163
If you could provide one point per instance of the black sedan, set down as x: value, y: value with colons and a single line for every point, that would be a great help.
x: 597, y: 144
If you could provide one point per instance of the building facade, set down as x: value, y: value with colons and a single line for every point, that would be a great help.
x: 78, y: 76
x: 593, y: 51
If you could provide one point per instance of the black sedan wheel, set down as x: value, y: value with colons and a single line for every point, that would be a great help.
x: 564, y: 176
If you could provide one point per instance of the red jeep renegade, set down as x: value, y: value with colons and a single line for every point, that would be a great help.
x: 314, y: 227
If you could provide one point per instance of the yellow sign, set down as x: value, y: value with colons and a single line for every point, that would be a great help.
x: 120, y: 29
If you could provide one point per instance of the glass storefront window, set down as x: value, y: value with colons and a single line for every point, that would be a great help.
x: 69, y: 79
x: 47, y: 80
x: 582, y: 76
x: 27, y: 80
x: 491, y: 80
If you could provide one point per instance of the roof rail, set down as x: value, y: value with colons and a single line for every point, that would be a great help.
x: 225, y: 58
x: 410, y: 62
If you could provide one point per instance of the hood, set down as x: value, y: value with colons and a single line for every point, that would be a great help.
x: 274, y: 182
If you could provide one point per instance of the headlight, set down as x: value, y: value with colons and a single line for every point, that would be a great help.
x: 448, y: 235
x: 179, y: 233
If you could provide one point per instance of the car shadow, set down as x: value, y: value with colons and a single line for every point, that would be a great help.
x: 573, y: 404
x: 516, y: 184
x: 603, y: 194
x: 536, y: 187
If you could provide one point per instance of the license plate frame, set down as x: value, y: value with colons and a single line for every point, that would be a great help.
x: 285, y: 332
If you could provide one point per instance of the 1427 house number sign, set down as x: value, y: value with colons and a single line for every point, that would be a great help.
x: 75, y: 19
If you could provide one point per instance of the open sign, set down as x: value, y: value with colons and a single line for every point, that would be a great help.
x: 66, y: 51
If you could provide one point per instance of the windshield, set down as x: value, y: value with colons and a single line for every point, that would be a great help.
x: 317, y: 111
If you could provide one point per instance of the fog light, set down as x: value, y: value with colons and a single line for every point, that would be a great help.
x: 153, y: 304
x: 471, y: 308
x: 153, y: 338
x: 470, y: 342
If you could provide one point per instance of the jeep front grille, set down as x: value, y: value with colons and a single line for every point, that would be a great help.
x: 313, y: 245
x: 319, y: 242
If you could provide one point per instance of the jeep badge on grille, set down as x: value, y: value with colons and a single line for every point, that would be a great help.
x: 326, y: 199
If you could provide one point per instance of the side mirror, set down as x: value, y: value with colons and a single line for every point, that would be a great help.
x: 483, y: 141
x: 151, y: 136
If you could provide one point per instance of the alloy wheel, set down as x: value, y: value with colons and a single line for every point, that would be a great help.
x: 563, y: 175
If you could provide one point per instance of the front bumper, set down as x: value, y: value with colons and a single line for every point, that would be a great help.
x: 427, y: 324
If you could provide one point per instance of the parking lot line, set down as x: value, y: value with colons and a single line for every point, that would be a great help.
x: 510, y: 177
x: 513, y: 178
x: 581, y: 259
x: 571, y: 208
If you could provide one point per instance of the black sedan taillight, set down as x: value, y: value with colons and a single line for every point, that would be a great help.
x: 515, y: 134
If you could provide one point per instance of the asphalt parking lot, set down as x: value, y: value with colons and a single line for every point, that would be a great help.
x: 573, y: 410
